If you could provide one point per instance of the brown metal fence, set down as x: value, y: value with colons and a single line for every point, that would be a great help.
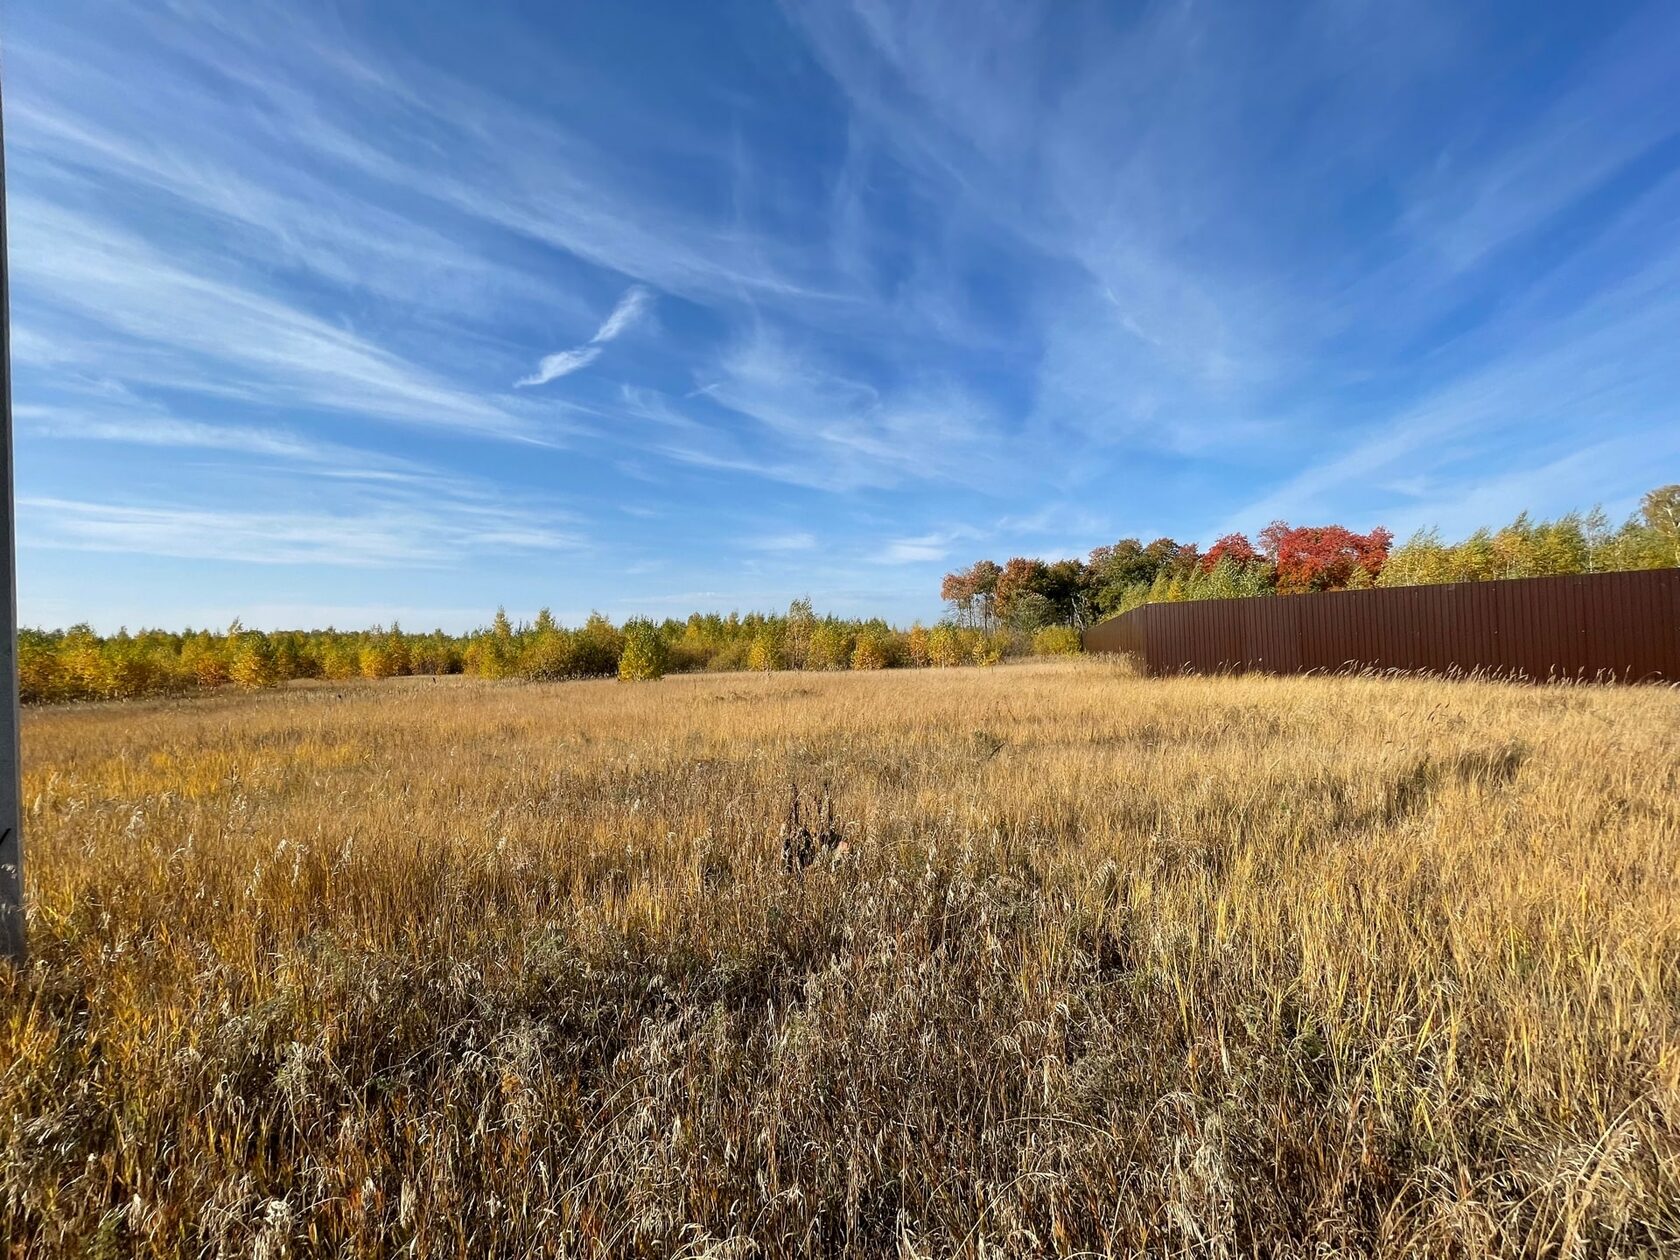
x: 1601, y: 626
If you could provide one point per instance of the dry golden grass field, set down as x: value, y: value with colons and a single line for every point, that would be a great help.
x: 1108, y: 966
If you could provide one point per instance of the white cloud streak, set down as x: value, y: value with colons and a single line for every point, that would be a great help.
x: 388, y: 536
x: 178, y: 325
x: 630, y: 309
x: 798, y: 540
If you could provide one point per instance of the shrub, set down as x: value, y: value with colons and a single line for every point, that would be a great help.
x: 1057, y: 641
x: 732, y: 656
x: 989, y: 649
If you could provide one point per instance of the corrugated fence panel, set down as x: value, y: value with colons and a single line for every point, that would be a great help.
x: 1600, y: 625
x: 1660, y: 629
x: 1123, y: 634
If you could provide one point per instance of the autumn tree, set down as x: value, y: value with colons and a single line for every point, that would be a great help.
x: 1233, y: 547
x: 988, y: 649
x: 916, y: 646
x: 200, y: 656
x: 1661, y: 510
x: 796, y: 639
x: 375, y: 658
x: 547, y: 651
x: 253, y: 664
x: 340, y: 659
x: 1322, y: 557
x: 971, y: 592
x: 1018, y: 580
x: 957, y: 590
x: 764, y: 655
x: 831, y: 647
x: 642, y: 655
x: 1421, y: 559
x: 945, y: 647
x: 876, y: 648
x: 1057, y: 641
x: 40, y: 671
x: 1529, y: 548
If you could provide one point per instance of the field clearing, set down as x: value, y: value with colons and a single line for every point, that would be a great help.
x: 1110, y: 965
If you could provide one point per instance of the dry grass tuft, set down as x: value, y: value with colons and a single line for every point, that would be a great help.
x: 1201, y: 966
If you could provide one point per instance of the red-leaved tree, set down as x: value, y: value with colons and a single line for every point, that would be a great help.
x: 1233, y: 547
x: 1323, y: 557
x: 970, y: 591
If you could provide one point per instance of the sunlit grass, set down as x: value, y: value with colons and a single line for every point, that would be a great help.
x: 1200, y: 966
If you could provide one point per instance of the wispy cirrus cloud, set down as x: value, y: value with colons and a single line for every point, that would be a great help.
x: 1603, y: 359
x: 116, y: 416
x: 919, y: 550
x: 380, y: 536
x: 631, y: 307
x: 794, y: 541
x: 175, y: 325
x: 790, y: 414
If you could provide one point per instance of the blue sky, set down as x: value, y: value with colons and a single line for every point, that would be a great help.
x: 341, y: 313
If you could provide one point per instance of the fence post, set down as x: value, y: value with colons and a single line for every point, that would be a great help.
x: 12, y: 942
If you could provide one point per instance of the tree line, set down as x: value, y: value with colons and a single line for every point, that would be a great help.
x: 1026, y: 606
x: 77, y: 664
x: 1027, y: 595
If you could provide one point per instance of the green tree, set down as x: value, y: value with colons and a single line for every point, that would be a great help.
x: 598, y: 645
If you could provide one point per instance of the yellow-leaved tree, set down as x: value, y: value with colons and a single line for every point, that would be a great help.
x: 253, y: 665
x: 945, y: 647
x: 1057, y: 641
x: 643, y: 656
x: 831, y: 648
x: 764, y: 656
x: 916, y: 646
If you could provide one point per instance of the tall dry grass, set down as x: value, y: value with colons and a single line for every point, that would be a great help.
x: 1112, y: 966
